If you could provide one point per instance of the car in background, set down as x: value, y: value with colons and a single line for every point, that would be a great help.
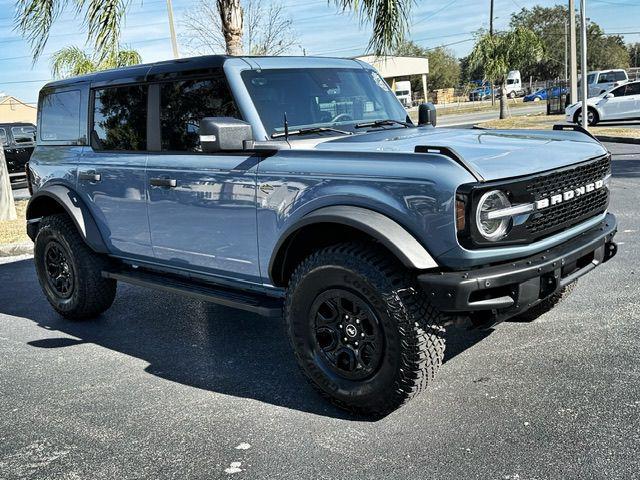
x: 543, y: 94
x: 481, y: 93
x: 18, y: 141
x: 601, y: 81
x: 619, y: 103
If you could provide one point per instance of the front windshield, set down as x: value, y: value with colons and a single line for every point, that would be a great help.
x: 320, y: 97
x: 24, y: 134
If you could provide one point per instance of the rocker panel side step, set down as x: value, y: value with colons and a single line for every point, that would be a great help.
x: 251, y: 302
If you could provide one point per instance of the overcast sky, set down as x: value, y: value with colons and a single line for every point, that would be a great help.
x: 321, y: 30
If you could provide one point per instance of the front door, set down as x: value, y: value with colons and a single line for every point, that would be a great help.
x: 111, y: 171
x: 202, y: 207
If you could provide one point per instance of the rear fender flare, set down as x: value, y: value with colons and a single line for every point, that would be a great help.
x: 49, y: 200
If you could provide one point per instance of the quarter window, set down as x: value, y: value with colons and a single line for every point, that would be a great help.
x: 184, y: 103
x: 120, y: 118
x: 26, y: 134
x: 60, y: 116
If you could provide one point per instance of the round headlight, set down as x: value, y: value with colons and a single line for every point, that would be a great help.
x: 492, y: 229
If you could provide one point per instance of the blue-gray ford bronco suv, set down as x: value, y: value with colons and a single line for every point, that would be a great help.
x: 300, y: 187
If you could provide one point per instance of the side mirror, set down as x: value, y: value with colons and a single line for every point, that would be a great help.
x: 219, y: 134
x: 609, y: 95
x: 427, y: 114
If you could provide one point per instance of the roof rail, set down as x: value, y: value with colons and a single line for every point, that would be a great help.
x: 575, y: 128
x: 452, y: 154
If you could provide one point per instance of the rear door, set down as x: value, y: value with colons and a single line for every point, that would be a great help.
x: 631, y: 101
x: 202, y: 207
x: 111, y: 171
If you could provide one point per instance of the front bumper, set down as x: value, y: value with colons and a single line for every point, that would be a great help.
x: 508, y: 289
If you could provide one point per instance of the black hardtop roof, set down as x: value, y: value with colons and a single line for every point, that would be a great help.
x: 163, y: 70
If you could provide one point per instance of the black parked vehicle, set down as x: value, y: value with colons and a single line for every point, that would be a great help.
x: 18, y: 141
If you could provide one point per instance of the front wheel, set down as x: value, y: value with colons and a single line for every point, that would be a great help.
x: 362, y: 332
x: 69, y: 272
x: 592, y: 117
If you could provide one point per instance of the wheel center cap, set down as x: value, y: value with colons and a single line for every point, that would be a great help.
x: 351, y: 330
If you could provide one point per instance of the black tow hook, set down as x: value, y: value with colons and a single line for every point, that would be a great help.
x: 610, y: 250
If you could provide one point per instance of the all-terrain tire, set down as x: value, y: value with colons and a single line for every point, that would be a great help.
x: 412, y: 328
x: 86, y: 293
x: 546, y: 305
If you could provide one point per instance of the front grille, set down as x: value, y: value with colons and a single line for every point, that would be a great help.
x: 573, y: 211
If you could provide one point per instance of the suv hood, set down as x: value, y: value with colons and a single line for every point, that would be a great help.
x: 494, y: 154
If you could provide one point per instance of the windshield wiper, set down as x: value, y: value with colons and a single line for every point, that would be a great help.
x: 305, y: 131
x: 382, y: 123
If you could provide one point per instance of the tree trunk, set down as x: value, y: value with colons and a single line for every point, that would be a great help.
x: 232, y: 25
x: 503, y: 101
x: 7, y: 207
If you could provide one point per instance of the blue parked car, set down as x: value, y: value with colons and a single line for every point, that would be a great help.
x: 298, y: 187
x: 481, y: 93
x: 542, y: 94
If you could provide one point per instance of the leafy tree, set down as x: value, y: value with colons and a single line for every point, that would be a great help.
x: 501, y: 52
x: 634, y: 54
x: 604, y: 51
x: 444, y: 68
x: 72, y: 61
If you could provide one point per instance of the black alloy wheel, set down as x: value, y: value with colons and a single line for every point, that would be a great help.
x: 60, y: 274
x: 347, y: 334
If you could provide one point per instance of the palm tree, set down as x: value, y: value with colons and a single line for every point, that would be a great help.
x: 103, y: 19
x: 72, y: 61
x: 496, y: 54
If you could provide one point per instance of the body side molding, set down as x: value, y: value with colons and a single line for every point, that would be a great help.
x: 389, y: 233
x: 39, y: 206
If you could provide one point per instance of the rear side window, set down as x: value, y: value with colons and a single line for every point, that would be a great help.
x: 619, y: 76
x: 633, y: 89
x: 184, y: 103
x: 3, y: 137
x: 120, y: 118
x: 60, y: 116
x: 26, y: 134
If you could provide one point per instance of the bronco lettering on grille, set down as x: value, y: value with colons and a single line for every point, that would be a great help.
x: 568, y: 195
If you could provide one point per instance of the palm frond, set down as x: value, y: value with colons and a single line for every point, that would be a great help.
x: 390, y: 20
x: 103, y: 19
x: 33, y: 20
x: 71, y: 61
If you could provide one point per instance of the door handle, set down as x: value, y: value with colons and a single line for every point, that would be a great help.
x: 90, y: 176
x: 163, y: 182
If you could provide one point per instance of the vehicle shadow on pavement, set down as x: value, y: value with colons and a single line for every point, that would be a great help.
x: 625, y: 168
x: 194, y: 343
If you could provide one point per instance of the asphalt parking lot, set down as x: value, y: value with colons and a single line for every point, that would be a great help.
x: 164, y: 387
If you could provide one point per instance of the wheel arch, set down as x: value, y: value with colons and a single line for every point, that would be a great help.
x: 57, y: 199
x: 347, y: 223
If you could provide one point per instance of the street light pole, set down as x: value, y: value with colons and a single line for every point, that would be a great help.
x: 573, y: 53
x: 172, y: 30
x: 583, y: 84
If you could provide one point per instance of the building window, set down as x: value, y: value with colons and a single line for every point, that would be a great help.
x: 184, y: 103
x: 120, y: 118
x: 60, y: 116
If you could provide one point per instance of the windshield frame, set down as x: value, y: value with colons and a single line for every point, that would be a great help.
x: 391, y: 105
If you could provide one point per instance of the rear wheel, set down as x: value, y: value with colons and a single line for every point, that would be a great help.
x: 362, y: 332
x: 69, y: 272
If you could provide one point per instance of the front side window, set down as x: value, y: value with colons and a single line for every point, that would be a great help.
x: 25, y: 134
x: 184, y: 103
x: 3, y: 137
x: 60, y: 116
x: 317, y: 97
x: 120, y: 118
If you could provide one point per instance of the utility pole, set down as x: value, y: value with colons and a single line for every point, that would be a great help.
x: 566, y: 48
x: 172, y: 30
x: 583, y: 46
x: 491, y: 18
x: 573, y: 53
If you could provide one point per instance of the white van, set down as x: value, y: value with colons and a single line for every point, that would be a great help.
x: 600, y: 81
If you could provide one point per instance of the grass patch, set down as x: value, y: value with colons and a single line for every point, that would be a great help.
x: 15, y: 231
x: 546, y: 122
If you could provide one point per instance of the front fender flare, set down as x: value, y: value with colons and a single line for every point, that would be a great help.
x: 387, y: 231
x: 40, y: 205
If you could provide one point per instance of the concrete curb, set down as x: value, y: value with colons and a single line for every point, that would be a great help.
x: 14, y: 249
